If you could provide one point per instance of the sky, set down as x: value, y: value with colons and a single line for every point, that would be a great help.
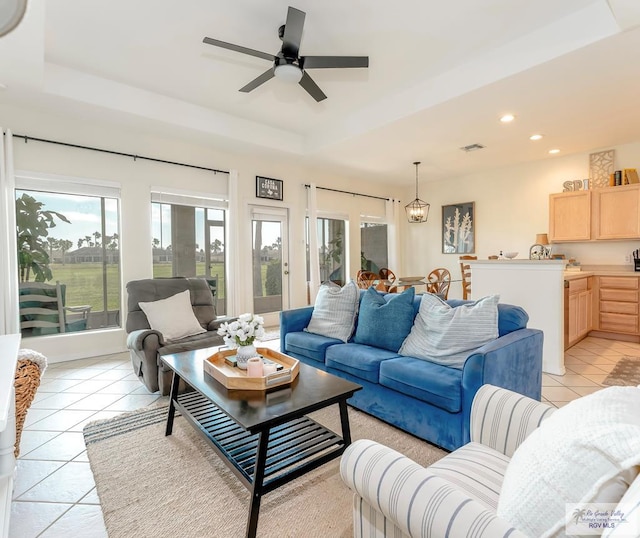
x: 83, y: 212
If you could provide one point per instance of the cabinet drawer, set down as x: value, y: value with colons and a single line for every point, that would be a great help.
x: 618, y: 307
x: 625, y: 296
x: 619, y: 282
x: 577, y: 285
x: 618, y: 323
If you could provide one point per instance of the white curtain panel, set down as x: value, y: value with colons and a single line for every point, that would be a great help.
x: 8, y: 267
x: 392, y: 210
x: 314, y: 254
x: 232, y: 238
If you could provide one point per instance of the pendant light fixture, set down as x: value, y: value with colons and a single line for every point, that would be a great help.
x: 417, y: 211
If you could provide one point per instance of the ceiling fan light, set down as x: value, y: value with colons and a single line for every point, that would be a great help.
x: 288, y: 72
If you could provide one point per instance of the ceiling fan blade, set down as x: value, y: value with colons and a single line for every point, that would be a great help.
x: 312, y: 88
x: 293, y: 32
x: 267, y: 75
x: 328, y: 62
x: 238, y: 48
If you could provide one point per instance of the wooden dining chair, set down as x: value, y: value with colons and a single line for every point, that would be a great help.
x: 438, y: 281
x: 366, y: 279
x: 388, y: 278
x: 465, y: 268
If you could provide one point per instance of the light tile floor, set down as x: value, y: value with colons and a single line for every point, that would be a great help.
x: 54, y: 493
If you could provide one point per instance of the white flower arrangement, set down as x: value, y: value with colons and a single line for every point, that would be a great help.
x: 243, y: 331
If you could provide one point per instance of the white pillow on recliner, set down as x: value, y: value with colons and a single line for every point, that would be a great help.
x: 173, y: 316
x: 586, y: 452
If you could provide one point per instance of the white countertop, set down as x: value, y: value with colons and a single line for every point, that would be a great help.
x: 601, y: 270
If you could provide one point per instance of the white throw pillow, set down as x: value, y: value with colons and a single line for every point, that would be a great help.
x: 586, y: 452
x: 173, y: 316
x: 447, y: 335
x: 334, y: 313
x: 629, y: 508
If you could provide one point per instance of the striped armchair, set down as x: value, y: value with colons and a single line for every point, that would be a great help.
x: 456, y: 496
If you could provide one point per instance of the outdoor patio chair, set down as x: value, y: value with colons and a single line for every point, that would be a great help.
x: 43, y: 310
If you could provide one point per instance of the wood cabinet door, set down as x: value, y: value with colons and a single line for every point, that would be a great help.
x: 573, y: 318
x: 570, y: 216
x: 616, y: 212
x: 584, y: 313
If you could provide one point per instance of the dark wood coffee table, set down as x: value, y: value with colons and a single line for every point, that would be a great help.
x: 265, y: 438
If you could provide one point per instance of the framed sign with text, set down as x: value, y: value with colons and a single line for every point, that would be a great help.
x: 268, y: 188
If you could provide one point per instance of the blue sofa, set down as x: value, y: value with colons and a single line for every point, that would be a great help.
x: 423, y: 398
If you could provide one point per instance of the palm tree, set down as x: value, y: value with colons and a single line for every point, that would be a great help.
x: 216, y: 246
x: 52, y: 244
x: 65, y: 245
x: 578, y: 514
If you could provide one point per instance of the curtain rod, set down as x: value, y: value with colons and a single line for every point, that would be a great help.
x: 348, y: 192
x: 134, y: 157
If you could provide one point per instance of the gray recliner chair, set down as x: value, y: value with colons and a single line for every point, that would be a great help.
x: 146, y: 346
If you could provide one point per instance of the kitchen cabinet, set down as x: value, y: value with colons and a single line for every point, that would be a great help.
x: 618, y: 304
x: 570, y: 216
x: 578, y: 310
x: 616, y: 212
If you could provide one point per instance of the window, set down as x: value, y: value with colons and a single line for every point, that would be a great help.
x: 373, y: 246
x: 68, y: 260
x: 332, y: 250
x: 189, y: 241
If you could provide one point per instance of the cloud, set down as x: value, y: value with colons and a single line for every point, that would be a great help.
x: 76, y: 217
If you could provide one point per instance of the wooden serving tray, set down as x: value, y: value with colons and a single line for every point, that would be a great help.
x: 233, y: 377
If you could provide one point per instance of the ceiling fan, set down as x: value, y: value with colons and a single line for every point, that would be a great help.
x: 288, y: 64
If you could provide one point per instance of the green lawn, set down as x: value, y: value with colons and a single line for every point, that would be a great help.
x: 84, y: 282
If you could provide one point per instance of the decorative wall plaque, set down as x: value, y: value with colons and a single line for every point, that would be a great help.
x: 268, y: 188
x: 600, y: 167
x: 458, y: 228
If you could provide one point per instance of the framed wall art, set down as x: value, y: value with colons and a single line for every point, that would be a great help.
x: 267, y: 187
x: 458, y: 228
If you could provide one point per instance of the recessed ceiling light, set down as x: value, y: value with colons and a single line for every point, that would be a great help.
x: 507, y: 118
x: 554, y: 151
x: 535, y: 137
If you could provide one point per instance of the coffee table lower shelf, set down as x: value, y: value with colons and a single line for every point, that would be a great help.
x: 293, y: 448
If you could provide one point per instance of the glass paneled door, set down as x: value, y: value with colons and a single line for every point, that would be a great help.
x: 270, y: 260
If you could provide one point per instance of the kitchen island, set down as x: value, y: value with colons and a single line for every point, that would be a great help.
x: 538, y: 287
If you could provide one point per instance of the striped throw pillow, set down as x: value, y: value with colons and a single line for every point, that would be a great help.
x: 447, y: 335
x: 334, y: 313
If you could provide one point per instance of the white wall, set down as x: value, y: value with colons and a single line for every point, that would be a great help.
x: 136, y: 178
x: 511, y: 204
x: 511, y: 207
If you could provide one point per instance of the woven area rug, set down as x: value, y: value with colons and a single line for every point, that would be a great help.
x: 155, y: 486
x: 625, y: 372
x: 270, y: 335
